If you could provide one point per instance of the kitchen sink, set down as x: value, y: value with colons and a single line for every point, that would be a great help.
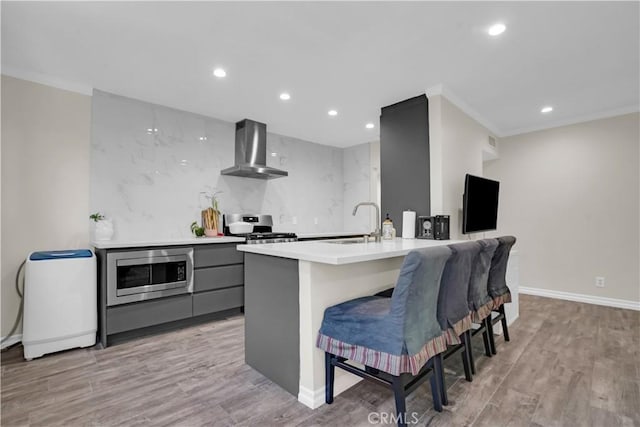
x: 346, y: 241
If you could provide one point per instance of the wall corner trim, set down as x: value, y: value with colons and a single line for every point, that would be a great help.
x: 588, y: 299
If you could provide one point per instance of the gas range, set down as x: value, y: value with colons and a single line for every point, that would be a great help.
x: 262, y: 229
x: 255, y: 238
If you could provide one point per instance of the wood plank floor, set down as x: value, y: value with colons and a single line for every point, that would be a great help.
x: 568, y: 364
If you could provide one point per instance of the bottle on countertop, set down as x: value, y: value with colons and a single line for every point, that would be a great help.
x: 387, y: 228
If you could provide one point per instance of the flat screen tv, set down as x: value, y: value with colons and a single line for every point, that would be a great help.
x: 479, y: 204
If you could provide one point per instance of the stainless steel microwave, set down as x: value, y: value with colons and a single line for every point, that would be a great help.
x: 141, y: 275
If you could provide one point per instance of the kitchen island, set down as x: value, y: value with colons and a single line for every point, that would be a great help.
x: 287, y: 288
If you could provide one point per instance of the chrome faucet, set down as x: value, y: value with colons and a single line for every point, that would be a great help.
x: 376, y: 233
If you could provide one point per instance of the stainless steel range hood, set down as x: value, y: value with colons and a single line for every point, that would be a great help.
x: 251, y: 152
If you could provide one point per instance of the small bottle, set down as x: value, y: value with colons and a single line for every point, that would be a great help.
x: 387, y: 228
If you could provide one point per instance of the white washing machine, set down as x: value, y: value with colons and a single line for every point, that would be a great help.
x: 60, y: 301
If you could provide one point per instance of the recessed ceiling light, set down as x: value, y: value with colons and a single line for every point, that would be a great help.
x: 285, y: 96
x: 219, y: 72
x: 546, y: 109
x: 497, y: 29
x: 203, y: 138
x: 369, y: 126
x: 332, y: 113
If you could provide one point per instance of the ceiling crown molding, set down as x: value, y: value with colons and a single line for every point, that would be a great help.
x: 574, y: 120
x: 47, y: 80
x: 458, y: 102
x: 442, y: 90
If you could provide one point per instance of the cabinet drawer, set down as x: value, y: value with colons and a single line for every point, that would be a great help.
x: 148, y: 313
x: 223, y: 299
x: 206, y: 279
x: 216, y: 254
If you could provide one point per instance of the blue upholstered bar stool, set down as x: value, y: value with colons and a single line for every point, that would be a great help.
x: 480, y: 302
x: 497, y: 286
x: 454, y: 315
x: 398, y: 339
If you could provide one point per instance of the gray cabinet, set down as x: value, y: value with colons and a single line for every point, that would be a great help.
x: 207, y: 279
x: 220, y: 300
x: 127, y: 317
x: 218, y: 285
x: 216, y: 254
x: 218, y: 280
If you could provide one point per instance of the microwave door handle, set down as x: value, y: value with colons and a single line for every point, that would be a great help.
x: 149, y: 288
x: 153, y: 260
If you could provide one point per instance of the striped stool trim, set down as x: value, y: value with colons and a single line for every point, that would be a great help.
x: 390, y: 363
x: 463, y: 325
x: 478, y: 315
x: 451, y: 337
x: 452, y: 334
x: 502, y: 299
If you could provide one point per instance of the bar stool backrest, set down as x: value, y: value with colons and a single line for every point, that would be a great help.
x: 414, y: 299
x: 478, y: 290
x: 497, y: 283
x: 454, y: 286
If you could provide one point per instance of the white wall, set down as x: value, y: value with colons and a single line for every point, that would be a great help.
x: 46, y: 171
x: 149, y: 184
x: 45, y: 177
x: 361, y: 166
x: 456, y: 144
x: 571, y: 196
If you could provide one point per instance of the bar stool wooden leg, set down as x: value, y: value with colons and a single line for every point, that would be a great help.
x: 329, y: 372
x: 401, y: 407
x: 439, y: 371
x: 505, y: 328
x: 492, y: 341
x: 436, y: 387
x: 466, y: 359
x: 485, y: 338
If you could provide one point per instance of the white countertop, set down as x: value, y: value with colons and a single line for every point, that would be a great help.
x: 338, y: 254
x: 329, y: 234
x: 114, y: 244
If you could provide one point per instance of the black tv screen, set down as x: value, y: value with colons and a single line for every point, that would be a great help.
x: 480, y: 204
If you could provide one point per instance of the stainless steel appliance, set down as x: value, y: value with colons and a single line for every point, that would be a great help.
x: 262, y: 229
x: 141, y: 275
x: 251, y: 152
x: 261, y: 223
x: 425, y: 227
x: 441, y: 227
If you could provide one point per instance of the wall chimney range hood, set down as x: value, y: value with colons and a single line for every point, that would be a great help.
x: 251, y: 153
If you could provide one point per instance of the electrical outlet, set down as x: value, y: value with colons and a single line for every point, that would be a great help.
x: 315, y: 221
x: 294, y: 220
x: 599, y: 282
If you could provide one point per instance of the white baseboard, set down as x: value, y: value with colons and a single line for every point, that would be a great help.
x: 588, y: 299
x: 310, y: 398
x: 315, y: 398
x: 13, y: 339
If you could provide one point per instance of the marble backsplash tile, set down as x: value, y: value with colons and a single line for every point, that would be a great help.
x: 150, y: 164
x: 357, y: 183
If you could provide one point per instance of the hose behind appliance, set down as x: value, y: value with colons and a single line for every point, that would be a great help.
x: 19, y: 316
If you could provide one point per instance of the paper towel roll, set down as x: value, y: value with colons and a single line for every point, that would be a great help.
x: 408, y: 225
